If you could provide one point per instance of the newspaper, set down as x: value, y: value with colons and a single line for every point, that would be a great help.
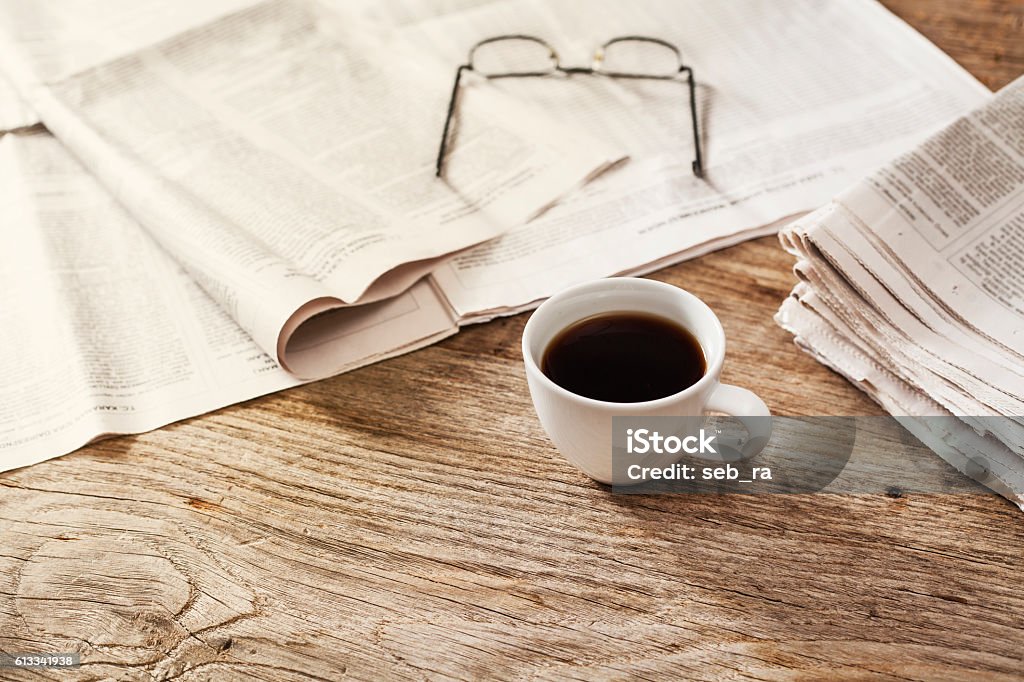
x: 276, y: 160
x: 288, y: 164
x: 912, y: 287
x: 104, y: 331
x: 784, y: 130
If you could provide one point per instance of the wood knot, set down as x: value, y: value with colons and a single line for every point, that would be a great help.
x: 116, y: 594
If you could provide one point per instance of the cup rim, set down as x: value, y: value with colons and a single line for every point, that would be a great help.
x: 710, y: 375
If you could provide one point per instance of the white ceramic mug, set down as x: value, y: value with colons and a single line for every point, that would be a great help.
x: 581, y: 428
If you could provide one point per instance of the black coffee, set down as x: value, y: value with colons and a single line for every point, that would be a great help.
x: 624, y: 358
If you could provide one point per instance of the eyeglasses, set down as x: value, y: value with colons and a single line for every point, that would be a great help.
x: 522, y: 56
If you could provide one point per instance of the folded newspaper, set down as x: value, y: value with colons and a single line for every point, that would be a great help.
x: 912, y: 286
x: 221, y: 200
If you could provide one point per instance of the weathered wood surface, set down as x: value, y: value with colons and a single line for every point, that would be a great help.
x: 410, y: 520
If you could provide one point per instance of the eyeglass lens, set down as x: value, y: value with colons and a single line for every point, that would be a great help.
x: 513, y: 56
x: 635, y: 56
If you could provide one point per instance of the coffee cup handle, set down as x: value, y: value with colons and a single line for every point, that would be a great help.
x: 749, y: 409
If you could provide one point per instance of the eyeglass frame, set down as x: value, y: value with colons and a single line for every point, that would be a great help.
x: 594, y: 70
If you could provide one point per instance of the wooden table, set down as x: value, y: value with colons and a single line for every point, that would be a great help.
x: 411, y: 520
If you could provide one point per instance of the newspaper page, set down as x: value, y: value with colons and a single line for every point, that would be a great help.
x: 784, y: 129
x: 972, y: 375
x: 911, y: 348
x: 288, y: 164
x: 946, y: 285
x: 953, y: 211
x: 912, y: 288
x: 62, y: 38
x: 104, y: 333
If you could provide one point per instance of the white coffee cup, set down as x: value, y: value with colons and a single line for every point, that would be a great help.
x: 580, y: 427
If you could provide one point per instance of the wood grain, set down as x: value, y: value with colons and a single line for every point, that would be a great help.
x: 411, y: 521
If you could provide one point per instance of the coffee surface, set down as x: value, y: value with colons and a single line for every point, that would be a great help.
x: 624, y: 357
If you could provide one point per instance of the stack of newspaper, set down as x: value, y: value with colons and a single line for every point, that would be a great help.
x: 205, y: 202
x: 913, y: 287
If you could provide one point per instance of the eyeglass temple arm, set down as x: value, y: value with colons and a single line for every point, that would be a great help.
x: 448, y: 119
x: 698, y: 162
